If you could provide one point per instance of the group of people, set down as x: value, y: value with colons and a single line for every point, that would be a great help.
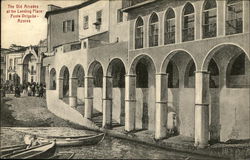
x: 34, y: 89
x: 29, y: 89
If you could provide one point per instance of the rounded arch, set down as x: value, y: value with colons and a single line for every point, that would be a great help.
x: 169, y: 56
x: 139, y: 32
x: 169, y: 13
x: 114, y: 61
x: 95, y: 70
x: 148, y: 58
x: 188, y: 8
x: 209, y: 4
x: 79, y: 73
x: 29, y: 53
x: 53, y: 79
x: 62, y: 70
x: 189, y: 75
x: 215, y: 49
x: 154, y: 17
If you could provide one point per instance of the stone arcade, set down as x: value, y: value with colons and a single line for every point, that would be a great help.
x: 162, y: 66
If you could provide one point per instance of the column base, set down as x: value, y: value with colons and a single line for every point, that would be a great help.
x: 107, y: 113
x: 201, y: 145
x: 130, y: 115
x: 88, y: 108
x: 161, y: 122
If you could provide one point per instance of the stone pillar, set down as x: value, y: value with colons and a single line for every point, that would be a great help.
x: 89, y: 82
x: 47, y: 77
x: 130, y: 102
x: 38, y: 72
x: 60, y: 87
x: 198, y: 20
x: 246, y: 16
x: 221, y: 10
x: 73, y: 91
x: 107, y: 102
x: 21, y: 73
x: 161, y: 105
x: 201, y: 108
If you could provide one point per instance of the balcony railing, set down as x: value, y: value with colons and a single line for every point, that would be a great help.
x: 187, y: 34
x: 169, y: 37
x: 209, y: 30
x: 234, y: 26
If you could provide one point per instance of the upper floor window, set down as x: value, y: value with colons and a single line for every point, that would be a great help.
x: 119, y: 16
x: 169, y: 32
x: 139, y: 33
x: 188, y: 23
x: 99, y: 17
x: 85, y: 22
x: 68, y: 26
x: 234, y: 17
x: 2, y: 59
x: 153, y: 30
x: 11, y: 63
x: 209, y: 19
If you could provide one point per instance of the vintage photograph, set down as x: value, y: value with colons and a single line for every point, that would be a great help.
x: 125, y: 79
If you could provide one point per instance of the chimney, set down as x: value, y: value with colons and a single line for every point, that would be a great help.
x: 52, y: 7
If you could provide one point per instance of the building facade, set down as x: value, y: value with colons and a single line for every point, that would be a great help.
x: 24, y: 64
x: 169, y: 65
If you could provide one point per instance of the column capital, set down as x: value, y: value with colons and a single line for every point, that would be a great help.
x: 107, y: 76
x: 73, y: 78
x: 89, y: 77
x: 130, y: 100
x: 202, y: 71
x: 162, y: 74
x: 130, y: 75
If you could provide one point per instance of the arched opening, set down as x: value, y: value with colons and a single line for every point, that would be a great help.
x: 144, y: 69
x: 169, y: 27
x: 95, y: 88
x: 29, y: 68
x: 66, y: 83
x: 139, y: 30
x: 188, y: 23
x: 190, y: 75
x: 173, y: 75
x: 180, y: 67
x: 214, y: 74
x: 16, y: 79
x: 52, y: 79
x: 234, y: 17
x: 153, y: 30
x: 237, y: 72
x: 116, y: 70
x: 229, y: 93
x: 209, y: 19
x: 77, y: 87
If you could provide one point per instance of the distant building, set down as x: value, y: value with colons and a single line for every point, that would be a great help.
x: 24, y: 64
x: 155, y: 65
x: 4, y: 51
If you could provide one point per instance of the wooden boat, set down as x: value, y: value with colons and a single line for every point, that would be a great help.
x: 11, y: 149
x: 37, y: 152
x: 75, y: 141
